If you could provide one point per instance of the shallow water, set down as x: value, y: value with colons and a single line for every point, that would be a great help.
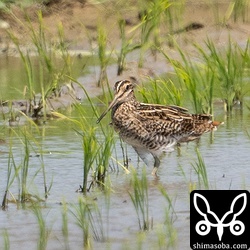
x: 14, y: 78
x: 225, y: 153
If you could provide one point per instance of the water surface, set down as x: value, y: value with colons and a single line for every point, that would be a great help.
x: 225, y: 153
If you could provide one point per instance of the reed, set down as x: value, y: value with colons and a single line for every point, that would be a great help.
x: 139, y: 198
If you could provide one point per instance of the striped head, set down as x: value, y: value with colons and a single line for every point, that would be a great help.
x: 123, y: 92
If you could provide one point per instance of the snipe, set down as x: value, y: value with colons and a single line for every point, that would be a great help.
x: 153, y: 128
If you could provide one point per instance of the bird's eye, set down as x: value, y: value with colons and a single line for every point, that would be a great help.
x: 127, y: 87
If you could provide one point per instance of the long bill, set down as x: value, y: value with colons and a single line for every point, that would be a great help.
x: 111, y: 105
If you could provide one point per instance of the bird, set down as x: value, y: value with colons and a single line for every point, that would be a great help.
x: 153, y: 128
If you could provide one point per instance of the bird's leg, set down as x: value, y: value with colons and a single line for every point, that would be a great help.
x: 156, y: 165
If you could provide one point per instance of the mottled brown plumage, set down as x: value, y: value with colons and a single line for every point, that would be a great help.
x: 153, y: 128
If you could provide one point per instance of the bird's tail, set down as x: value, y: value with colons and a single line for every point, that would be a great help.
x: 203, y: 123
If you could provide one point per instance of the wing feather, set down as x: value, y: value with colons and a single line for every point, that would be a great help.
x: 161, y: 112
x: 173, y: 120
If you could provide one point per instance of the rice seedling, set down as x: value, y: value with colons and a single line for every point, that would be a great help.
x: 247, y: 133
x: 6, y: 238
x: 24, y: 171
x: 49, y: 75
x: 107, y: 196
x: 161, y: 90
x: 223, y: 12
x: 150, y: 26
x: 10, y: 176
x: 103, y: 158
x: 28, y: 68
x: 201, y: 171
x: 140, y: 239
x: 173, y: 19
x: 63, y: 49
x: 102, y: 54
x: 169, y: 236
x: 229, y: 67
x: 65, y: 229
x: 240, y: 10
x: 90, y: 146
x: 5, y: 5
x: 39, y: 149
x: 174, y: 93
x: 206, y: 75
x: 139, y: 197
x: 188, y: 75
x: 96, y: 152
x: 127, y: 46
x: 89, y: 219
x: 44, y: 231
x: 215, y: 7
x: 48, y: 71
x: 19, y: 172
x: 154, y: 95
x: 201, y: 79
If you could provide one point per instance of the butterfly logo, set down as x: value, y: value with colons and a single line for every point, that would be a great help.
x: 203, y: 227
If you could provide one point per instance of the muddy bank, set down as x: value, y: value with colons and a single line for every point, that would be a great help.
x: 80, y: 20
x: 70, y: 93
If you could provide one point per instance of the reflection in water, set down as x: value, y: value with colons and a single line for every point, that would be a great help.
x: 14, y: 78
x: 226, y: 158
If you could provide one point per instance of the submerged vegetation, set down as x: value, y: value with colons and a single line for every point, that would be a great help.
x: 214, y: 75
